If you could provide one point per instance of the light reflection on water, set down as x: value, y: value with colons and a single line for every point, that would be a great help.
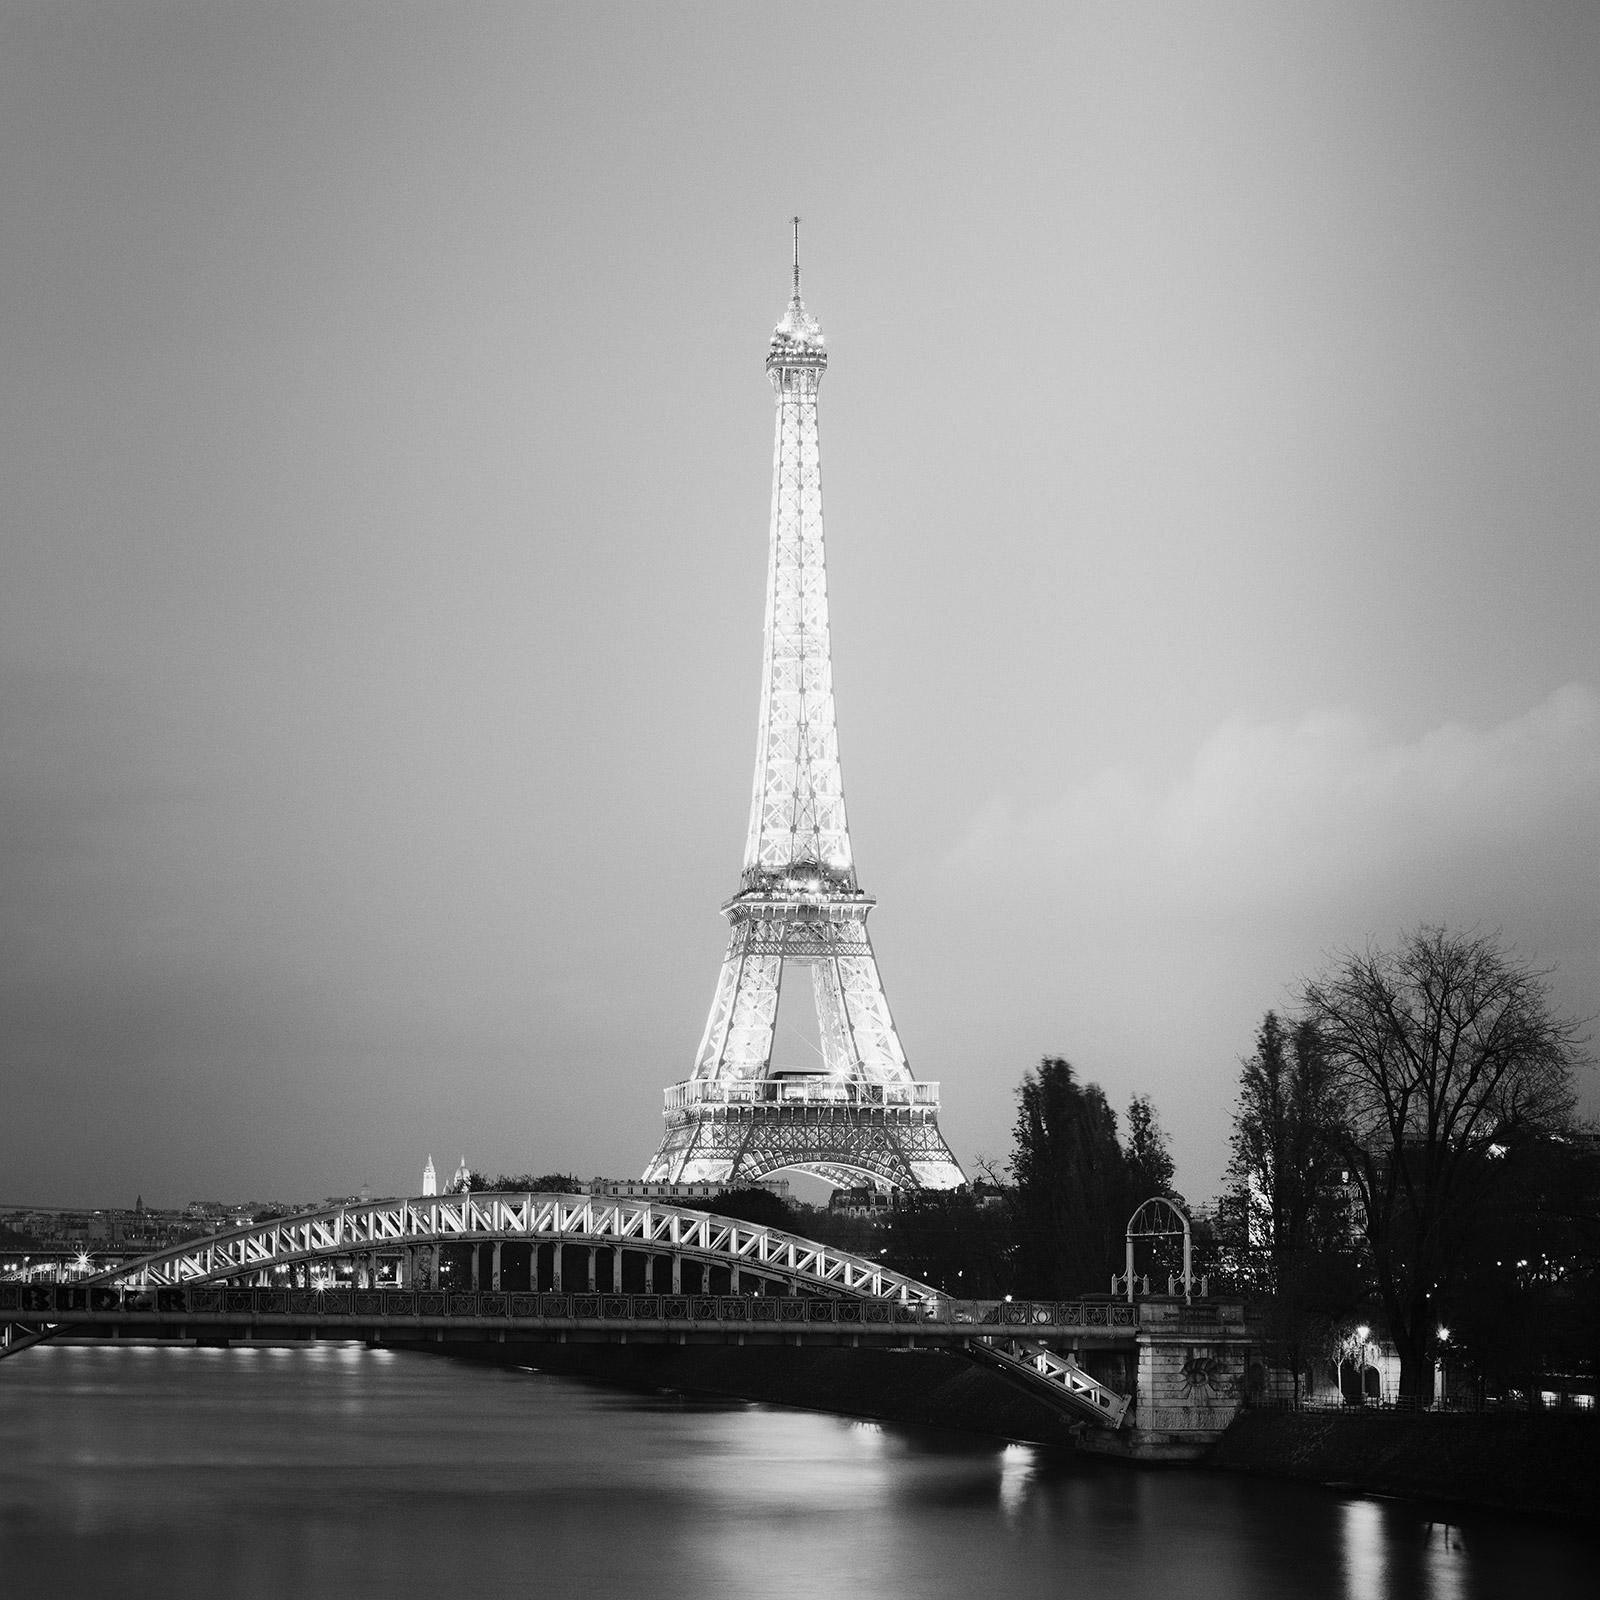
x: 1365, y: 1550
x: 335, y: 1470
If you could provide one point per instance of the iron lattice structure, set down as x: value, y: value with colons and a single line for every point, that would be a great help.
x: 861, y: 1115
x: 378, y: 1225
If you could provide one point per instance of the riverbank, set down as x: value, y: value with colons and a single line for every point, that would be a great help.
x: 1532, y: 1463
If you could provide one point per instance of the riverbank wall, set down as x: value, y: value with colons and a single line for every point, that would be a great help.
x: 1533, y: 1463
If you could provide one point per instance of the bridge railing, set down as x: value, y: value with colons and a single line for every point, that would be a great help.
x: 60, y: 1301
x: 1039, y: 1313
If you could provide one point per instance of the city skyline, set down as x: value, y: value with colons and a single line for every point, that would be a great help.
x: 1211, y: 515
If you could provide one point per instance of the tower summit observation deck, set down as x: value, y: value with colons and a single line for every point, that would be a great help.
x: 858, y: 1115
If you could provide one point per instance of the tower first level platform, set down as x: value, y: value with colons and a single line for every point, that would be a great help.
x: 862, y: 1116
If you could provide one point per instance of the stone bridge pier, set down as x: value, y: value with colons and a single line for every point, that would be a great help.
x: 1191, y: 1368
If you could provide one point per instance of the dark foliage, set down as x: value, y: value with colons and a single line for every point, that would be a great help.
x: 1149, y: 1162
x: 1071, y: 1202
x: 1524, y: 1311
x: 760, y: 1206
x: 961, y: 1241
x: 1286, y: 1168
x: 1442, y: 1054
x: 526, y: 1183
x: 1287, y: 1234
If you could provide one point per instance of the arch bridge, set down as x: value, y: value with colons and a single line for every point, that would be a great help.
x: 536, y: 1268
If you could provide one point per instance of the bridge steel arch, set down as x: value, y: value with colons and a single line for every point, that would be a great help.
x: 384, y: 1226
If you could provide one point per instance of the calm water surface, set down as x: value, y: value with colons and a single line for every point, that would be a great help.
x: 341, y: 1471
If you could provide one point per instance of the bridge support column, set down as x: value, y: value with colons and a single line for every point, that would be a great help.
x: 494, y: 1270
x: 1191, y: 1376
x: 477, y: 1251
x: 591, y: 1283
x: 677, y: 1274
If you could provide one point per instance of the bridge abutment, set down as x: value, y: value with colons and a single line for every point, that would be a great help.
x: 1189, y: 1381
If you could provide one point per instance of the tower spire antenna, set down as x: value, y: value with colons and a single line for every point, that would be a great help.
x: 796, y: 223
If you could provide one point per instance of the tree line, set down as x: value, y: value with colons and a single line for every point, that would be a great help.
x: 1409, y: 1140
x: 1404, y: 1149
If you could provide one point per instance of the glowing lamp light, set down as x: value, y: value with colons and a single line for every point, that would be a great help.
x: 1444, y: 1334
x: 1362, y: 1332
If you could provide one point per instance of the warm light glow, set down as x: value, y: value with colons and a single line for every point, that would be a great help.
x: 1444, y: 1334
x: 1362, y: 1332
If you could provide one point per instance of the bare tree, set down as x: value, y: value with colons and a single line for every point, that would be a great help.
x: 1439, y: 1053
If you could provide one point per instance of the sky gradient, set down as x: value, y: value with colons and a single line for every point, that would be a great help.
x: 1209, y: 456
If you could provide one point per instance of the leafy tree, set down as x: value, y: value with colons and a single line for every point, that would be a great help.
x: 860, y: 1234
x: 1284, y: 1222
x: 1071, y: 1184
x: 1149, y: 1162
x: 760, y: 1206
x: 527, y: 1183
x: 1441, y: 1054
x: 1286, y: 1168
x: 959, y: 1240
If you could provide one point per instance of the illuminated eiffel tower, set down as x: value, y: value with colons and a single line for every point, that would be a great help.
x: 858, y: 1115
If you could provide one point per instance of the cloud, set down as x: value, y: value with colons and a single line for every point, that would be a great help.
x: 1143, y: 929
x: 1328, y: 815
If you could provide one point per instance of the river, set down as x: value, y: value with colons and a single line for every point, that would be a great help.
x: 336, y: 1470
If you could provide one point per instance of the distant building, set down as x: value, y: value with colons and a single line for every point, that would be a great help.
x: 463, y: 1178
x: 430, y: 1178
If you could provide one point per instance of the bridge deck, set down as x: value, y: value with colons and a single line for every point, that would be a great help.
x: 220, y: 1313
x: 351, y: 1313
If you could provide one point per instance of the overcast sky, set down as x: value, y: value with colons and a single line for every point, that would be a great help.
x: 1211, y: 471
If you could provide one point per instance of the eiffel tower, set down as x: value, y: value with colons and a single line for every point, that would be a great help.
x: 858, y: 1114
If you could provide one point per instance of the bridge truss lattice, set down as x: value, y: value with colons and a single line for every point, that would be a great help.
x: 380, y: 1226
